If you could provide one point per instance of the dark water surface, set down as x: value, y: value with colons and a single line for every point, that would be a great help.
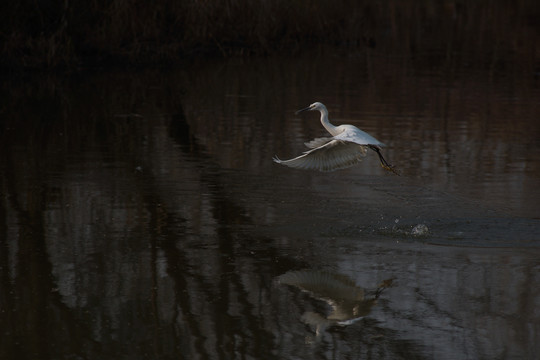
x: 142, y: 216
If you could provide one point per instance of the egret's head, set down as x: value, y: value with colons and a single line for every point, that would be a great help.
x: 315, y: 106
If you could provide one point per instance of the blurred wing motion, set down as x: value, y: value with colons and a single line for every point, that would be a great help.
x: 315, y: 143
x: 327, y: 154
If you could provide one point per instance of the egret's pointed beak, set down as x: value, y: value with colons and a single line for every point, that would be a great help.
x: 302, y: 110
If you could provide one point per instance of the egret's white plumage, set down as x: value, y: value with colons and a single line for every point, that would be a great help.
x: 347, y: 146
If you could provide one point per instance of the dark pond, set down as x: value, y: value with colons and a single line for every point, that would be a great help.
x: 142, y: 217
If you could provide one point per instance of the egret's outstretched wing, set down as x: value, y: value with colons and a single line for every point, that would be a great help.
x: 315, y: 143
x: 334, y: 155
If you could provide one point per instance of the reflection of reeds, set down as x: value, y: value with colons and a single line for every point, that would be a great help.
x: 130, y: 31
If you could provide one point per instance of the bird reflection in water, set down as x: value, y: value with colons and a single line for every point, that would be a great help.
x: 348, y: 302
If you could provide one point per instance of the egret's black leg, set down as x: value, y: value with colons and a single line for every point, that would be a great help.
x: 384, y: 163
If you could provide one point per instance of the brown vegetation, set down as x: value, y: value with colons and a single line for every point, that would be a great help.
x: 57, y: 33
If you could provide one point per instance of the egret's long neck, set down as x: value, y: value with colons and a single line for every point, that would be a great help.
x: 326, y: 123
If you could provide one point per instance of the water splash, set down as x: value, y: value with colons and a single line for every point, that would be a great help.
x: 420, y: 230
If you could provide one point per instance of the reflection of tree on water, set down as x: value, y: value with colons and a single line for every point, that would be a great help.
x: 347, y: 300
x: 215, y: 309
x: 171, y: 281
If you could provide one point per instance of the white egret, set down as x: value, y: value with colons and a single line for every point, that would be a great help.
x: 347, y: 146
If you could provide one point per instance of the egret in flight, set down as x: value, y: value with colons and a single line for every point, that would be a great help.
x: 346, y: 147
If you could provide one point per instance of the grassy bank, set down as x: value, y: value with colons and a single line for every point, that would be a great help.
x: 52, y: 33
